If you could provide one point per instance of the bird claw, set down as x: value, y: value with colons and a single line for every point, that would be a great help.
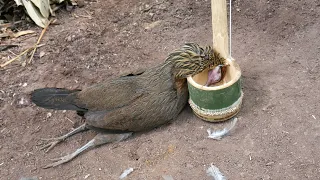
x: 58, y: 161
x: 50, y: 145
x: 51, y: 139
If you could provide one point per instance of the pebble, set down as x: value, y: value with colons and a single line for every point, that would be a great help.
x: 69, y: 38
x: 49, y: 114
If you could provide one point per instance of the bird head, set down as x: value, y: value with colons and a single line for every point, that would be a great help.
x: 192, y: 59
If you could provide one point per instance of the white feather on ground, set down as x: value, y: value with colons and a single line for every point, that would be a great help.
x: 126, y: 173
x: 214, y: 172
x: 167, y: 177
x: 217, y: 135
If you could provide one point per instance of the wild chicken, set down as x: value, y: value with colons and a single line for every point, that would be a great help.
x: 136, y: 102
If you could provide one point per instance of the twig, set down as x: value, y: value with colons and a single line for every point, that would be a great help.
x: 15, y: 58
x: 7, y: 25
x: 69, y: 120
x: 84, y: 16
x: 12, y: 52
x: 21, y: 54
x: 39, y: 39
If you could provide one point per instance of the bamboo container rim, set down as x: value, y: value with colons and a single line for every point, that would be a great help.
x: 234, y: 74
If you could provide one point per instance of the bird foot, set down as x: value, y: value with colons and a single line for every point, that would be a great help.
x: 99, y: 139
x: 55, y: 141
x: 50, y: 145
x: 69, y: 157
x: 60, y: 160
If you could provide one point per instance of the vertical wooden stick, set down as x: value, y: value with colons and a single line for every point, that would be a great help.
x: 220, y: 27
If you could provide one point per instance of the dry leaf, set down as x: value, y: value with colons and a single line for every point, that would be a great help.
x: 18, y: 2
x: 22, y: 33
x: 40, y: 10
x: 3, y: 35
x: 34, y: 14
x: 152, y: 25
x: 44, y: 7
x: 56, y: 1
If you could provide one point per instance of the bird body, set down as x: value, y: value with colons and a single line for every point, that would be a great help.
x: 129, y: 103
x: 135, y: 102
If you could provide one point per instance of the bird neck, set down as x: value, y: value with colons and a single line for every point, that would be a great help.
x: 180, y: 82
x: 182, y: 92
x: 176, y: 73
x: 180, y: 85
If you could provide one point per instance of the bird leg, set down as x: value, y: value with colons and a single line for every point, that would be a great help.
x: 55, y: 141
x: 99, y: 139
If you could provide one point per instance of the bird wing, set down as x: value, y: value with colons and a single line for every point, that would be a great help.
x: 133, y: 73
x: 146, y: 112
x: 111, y: 95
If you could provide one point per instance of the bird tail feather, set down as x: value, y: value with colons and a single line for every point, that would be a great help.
x: 56, y: 98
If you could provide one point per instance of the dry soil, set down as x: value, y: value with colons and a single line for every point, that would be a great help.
x: 276, y: 43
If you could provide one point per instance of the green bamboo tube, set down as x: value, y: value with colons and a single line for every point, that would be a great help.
x: 223, y: 101
x: 220, y: 102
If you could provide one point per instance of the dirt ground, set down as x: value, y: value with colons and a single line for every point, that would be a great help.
x: 276, y: 43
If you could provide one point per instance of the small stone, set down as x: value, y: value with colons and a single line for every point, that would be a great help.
x: 80, y: 3
x: 49, y: 114
x: 23, y: 64
x: 69, y: 38
x: 42, y: 53
x: 22, y: 101
x: 69, y: 8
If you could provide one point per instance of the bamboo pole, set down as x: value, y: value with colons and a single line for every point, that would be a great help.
x: 220, y: 27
